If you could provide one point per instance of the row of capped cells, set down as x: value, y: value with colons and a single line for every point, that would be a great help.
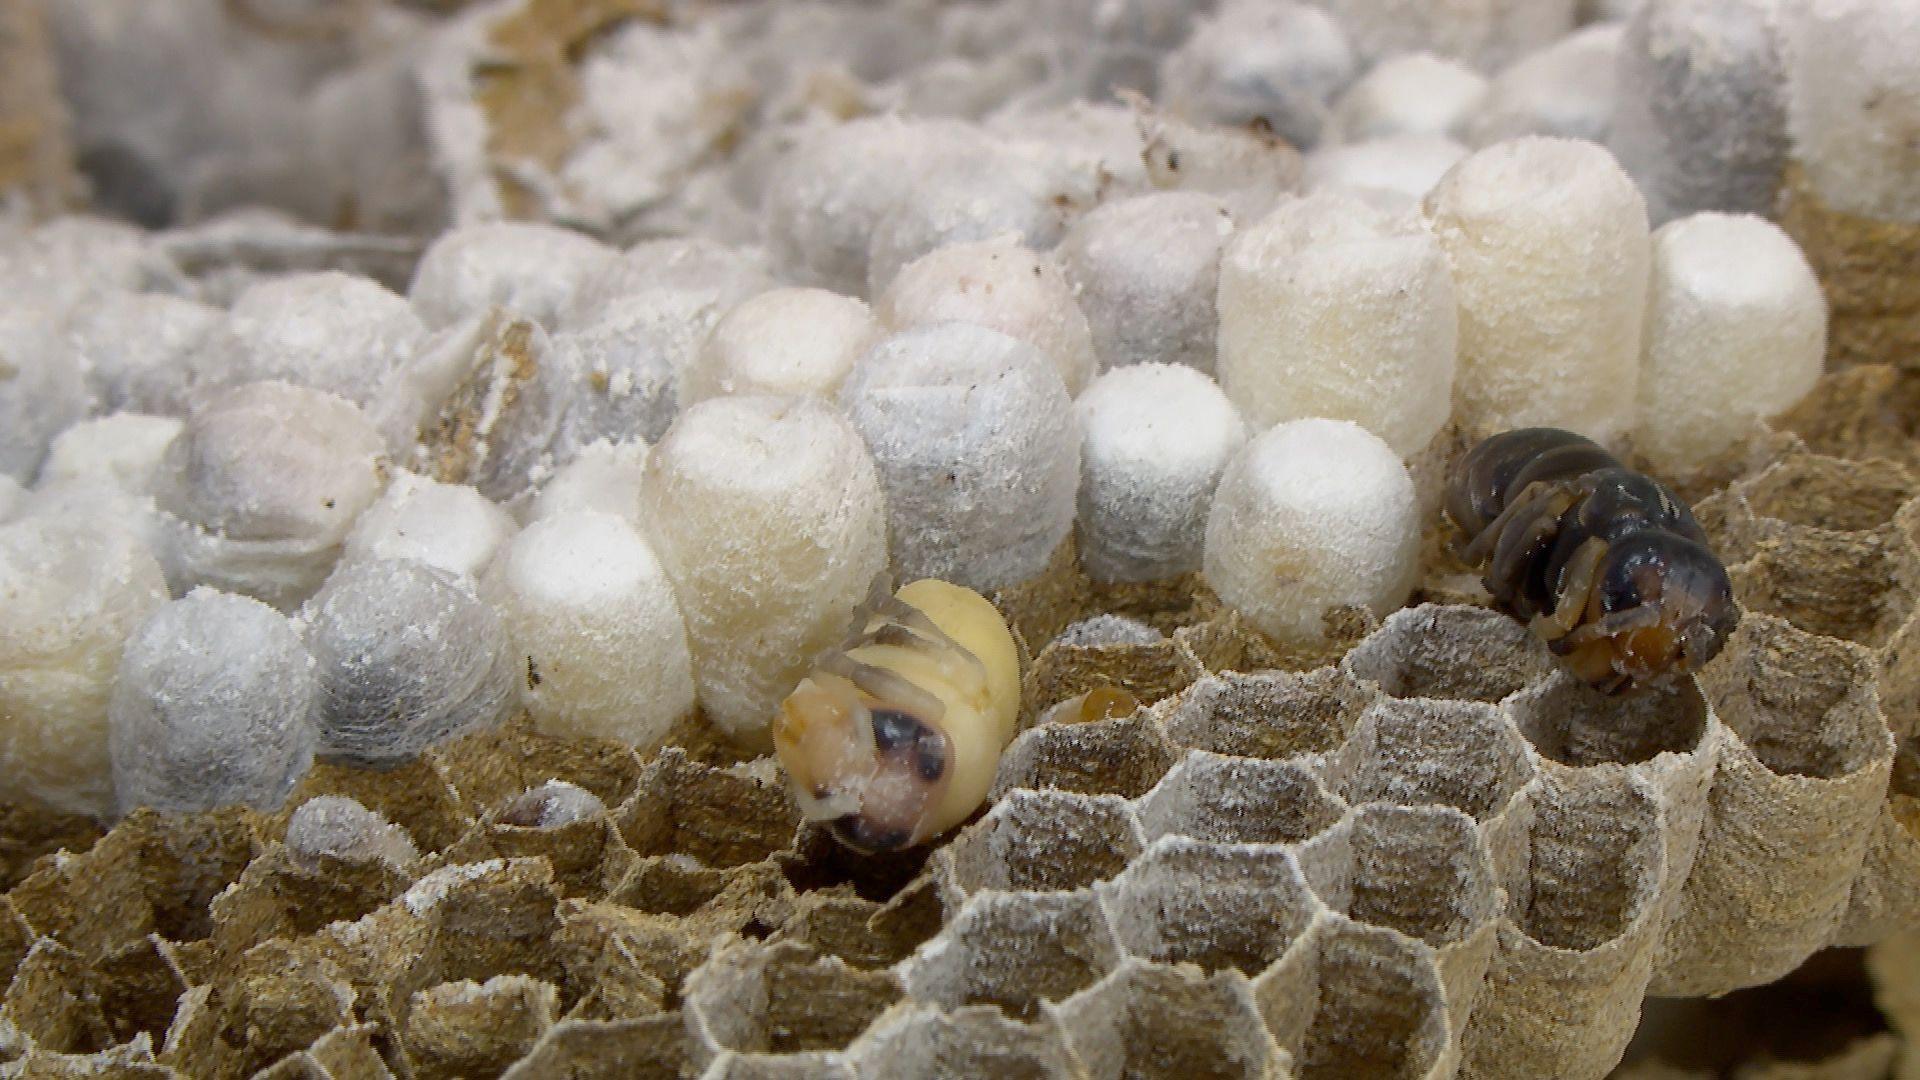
x: 937, y: 433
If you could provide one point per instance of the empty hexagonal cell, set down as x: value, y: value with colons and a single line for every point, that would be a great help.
x: 1377, y: 1011
x: 1855, y: 585
x: 1567, y: 721
x: 151, y: 874
x: 1216, y: 905
x: 1042, y: 840
x: 1829, y: 493
x: 1123, y: 756
x: 1421, y: 870
x: 476, y: 1029
x: 723, y: 817
x: 1595, y: 860
x: 925, y: 1042
x: 1562, y: 993
x: 1269, y: 714
x: 1015, y: 950
x: 1451, y: 652
x: 1238, y: 800
x: 1797, y: 792
x: 1461, y: 754
x: 785, y: 999
x: 1154, y: 1020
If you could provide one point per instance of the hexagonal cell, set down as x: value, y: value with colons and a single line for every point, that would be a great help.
x: 1215, y: 905
x: 1153, y: 1020
x: 566, y: 825
x: 732, y: 1065
x: 467, y: 1028
x: 1379, y: 1010
x: 1015, y: 950
x: 1562, y: 994
x: 1123, y: 756
x: 723, y: 817
x: 1238, y: 800
x: 924, y: 1042
x: 1039, y: 841
x: 1269, y: 714
x: 465, y: 922
x: 785, y: 998
x: 1829, y: 493
x: 1462, y: 754
x: 414, y: 796
x: 616, y: 963
x: 1450, y: 652
x: 1801, y: 703
x: 1421, y: 870
x: 487, y: 768
x: 1148, y: 671
x: 648, y: 1048
x: 1796, y: 796
x: 54, y: 1000
x: 1595, y: 860
x: 1567, y: 721
x: 152, y: 874
x: 276, y: 1003
x: 1855, y: 586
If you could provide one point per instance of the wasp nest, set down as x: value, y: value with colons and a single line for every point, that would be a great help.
x: 1423, y: 850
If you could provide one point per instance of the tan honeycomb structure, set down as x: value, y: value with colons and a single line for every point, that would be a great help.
x: 1427, y: 853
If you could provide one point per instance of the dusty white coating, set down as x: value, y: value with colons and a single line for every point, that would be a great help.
x: 1312, y: 515
x: 768, y: 517
x: 1853, y: 102
x: 604, y: 476
x: 999, y: 192
x: 72, y: 595
x: 123, y: 449
x: 592, y: 616
x: 1736, y: 332
x: 977, y: 449
x: 139, y: 350
x: 694, y: 276
x: 260, y: 487
x: 1394, y: 172
x: 329, y: 331
x: 830, y: 192
x: 526, y: 268
x: 1155, y: 438
x: 41, y: 388
x: 1331, y: 308
x: 1260, y: 60
x: 1548, y: 243
x: 1410, y: 94
x: 214, y: 704
x: 1700, y: 113
x: 450, y: 526
x: 792, y: 341
x: 1144, y: 271
x: 1002, y: 286
x: 1565, y: 89
x: 407, y: 657
x: 1486, y: 34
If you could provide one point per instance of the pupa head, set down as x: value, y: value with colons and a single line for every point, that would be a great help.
x: 1662, y: 607
x: 867, y: 755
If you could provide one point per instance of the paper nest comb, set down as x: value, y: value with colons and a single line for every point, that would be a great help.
x: 1429, y: 855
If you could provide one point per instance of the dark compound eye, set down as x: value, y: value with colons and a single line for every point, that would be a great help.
x: 898, y: 732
